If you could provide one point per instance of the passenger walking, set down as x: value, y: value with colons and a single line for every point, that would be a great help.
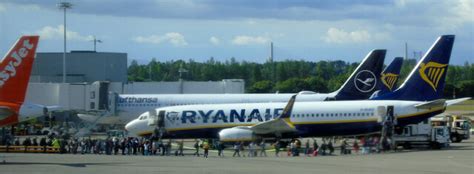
x: 196, y: 146
x: 297, y: 147
x: 323, y: 147
x: 181, y: 148
x: 56, y: 144
x: 263, y: 151
x: 154, y: 147
x: 315, y: 147
x: 242, y: 148
x: 356, y: 146
x: 168, y: 148
x: 307, y: 150
x: 145, y: 148
x: 43, y: 144
x: 292, y: 149
x: 205, y: 146
x: 330, y: 147
x: 236, y: 149
x: 26, y: 143
x: 343, y: 147
x: 220, y: 149
x: 251, y: 149
x: 276, y: 145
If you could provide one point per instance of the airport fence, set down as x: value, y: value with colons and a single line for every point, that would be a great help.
x: 29, y: 149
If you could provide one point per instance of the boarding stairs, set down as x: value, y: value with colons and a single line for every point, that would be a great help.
x: 389, y: 121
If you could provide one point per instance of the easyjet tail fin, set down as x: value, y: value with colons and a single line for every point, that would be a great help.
x: 15, y: 69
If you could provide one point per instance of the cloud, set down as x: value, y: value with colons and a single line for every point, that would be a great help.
x: 462, y: 12
x: 339, y: 36
x: 176, y: 39
x: 214, y: 40
x: 49, y: 32
x: 2, y: 8
x: 250, y: 40
x: 212, y: 9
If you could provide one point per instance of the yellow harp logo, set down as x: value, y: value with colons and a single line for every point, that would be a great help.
x: 389, y: 80
x: 432, y: 72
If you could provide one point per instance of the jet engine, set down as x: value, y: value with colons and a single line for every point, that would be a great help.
x: 236, y: 134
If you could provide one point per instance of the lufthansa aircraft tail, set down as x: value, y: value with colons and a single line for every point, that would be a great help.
x: 389, y: 78
x: 363, y: 81
x: 426, y: 80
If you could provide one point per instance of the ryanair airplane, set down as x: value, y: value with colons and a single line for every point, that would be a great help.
x: 418, y: 98
x: 360, y: 85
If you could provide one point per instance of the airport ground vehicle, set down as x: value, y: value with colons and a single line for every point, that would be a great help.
x: 459, y: 126
x: 423, y: 133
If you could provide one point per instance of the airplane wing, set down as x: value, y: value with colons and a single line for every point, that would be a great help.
x: 280, y: 124
x: 455, y: 101
x: 431, y: 104
x: 275, y: 125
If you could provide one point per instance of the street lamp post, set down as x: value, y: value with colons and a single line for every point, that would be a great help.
x: 95, y: 43
x: 64, y: 6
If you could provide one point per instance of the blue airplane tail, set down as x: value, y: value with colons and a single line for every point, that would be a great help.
x: 389, y: 78
x: 426, y: 80
x: 363, y: 81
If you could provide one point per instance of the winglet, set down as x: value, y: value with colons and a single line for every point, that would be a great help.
x: 288, y: 108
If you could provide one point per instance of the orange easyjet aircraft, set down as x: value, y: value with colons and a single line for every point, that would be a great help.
x: 15, y: 70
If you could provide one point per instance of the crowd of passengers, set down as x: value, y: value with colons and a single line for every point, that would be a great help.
x: 146, y: 147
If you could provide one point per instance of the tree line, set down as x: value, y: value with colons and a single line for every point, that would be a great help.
x: 288, y: 76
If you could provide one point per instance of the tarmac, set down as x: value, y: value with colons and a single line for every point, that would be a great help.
x: 459, y: 159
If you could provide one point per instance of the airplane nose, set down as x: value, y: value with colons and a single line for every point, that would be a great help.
x: 128, y: 126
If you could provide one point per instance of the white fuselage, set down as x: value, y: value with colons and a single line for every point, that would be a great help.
x: 308, y: 117
x: 128, y: 107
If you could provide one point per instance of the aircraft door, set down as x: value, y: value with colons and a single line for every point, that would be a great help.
x: 381, y: 112
x: 112, y: 107
x: 98, y: 97
x: 161, y: 119
x: 390, y: 116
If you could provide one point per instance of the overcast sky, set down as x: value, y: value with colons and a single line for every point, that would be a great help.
x: 198, y: 29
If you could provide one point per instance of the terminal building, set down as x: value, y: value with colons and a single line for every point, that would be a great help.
x: 81, y: 67
x: 86, y: 69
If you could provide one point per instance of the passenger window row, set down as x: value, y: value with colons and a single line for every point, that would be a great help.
x: 363, y: 114
x: 156, y: 105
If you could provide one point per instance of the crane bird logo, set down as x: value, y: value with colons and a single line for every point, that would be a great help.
x: 365, y: 81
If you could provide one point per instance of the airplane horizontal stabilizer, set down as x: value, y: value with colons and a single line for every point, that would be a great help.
x: 455, y: 101
x: 431, y: 104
